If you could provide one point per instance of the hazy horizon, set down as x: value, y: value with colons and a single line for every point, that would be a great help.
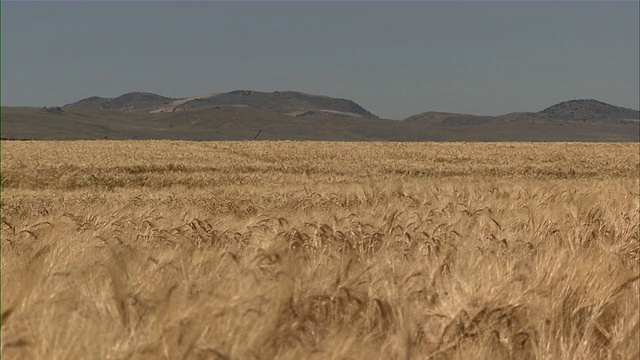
x: 394, y: 59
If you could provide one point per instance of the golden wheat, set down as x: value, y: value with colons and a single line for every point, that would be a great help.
x: 294, y: 250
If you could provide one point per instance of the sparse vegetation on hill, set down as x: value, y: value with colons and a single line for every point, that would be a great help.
x: 240, y: 115
x: 574, y: 110
x: 438, y: 118
x: 587, y: 110
x: 135, y: 101
x: 283, y: 102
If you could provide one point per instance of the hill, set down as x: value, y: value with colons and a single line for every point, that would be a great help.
x: 241, y: 115
x: 441, y: 118
x: 284, y: 102
x: 587, y: 110
x: 568, y: 111
x: 134, y: 101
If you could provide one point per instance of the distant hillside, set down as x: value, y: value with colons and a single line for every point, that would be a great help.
x: 587, y: 110
x: 243, y: 115
x: 244, y: 123
x: 440, y: 118
x: 568, y: 111
x: 135, y: 101
x: 283, y: 102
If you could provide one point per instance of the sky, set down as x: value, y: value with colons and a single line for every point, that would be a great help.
x: 394, y: 59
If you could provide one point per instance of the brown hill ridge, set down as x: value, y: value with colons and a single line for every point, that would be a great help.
x: 443, y: 118
x: 569, y: 111
x: 134, y: 101
x: 283, y: 102
x: 247, y: 115
x: 587, y: 110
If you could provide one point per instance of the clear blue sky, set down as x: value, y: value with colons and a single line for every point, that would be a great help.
x: 395, y: 59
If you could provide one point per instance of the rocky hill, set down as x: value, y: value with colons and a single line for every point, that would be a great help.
x: 245, y: 115
x: 134, y: 101
x: 568, y: 111
x: 440, y: 118
x: 283, y: 102
x: 587, y: 110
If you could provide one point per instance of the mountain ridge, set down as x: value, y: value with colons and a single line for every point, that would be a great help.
x: 245, y: 114
x: 571, y: 110
x: 587, y: 109
x: 291, y: 103
x: 300, y: 104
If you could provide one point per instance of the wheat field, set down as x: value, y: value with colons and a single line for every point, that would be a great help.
x: 320, y: 250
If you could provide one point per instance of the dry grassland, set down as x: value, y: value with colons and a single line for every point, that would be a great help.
x: 289, y: 250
